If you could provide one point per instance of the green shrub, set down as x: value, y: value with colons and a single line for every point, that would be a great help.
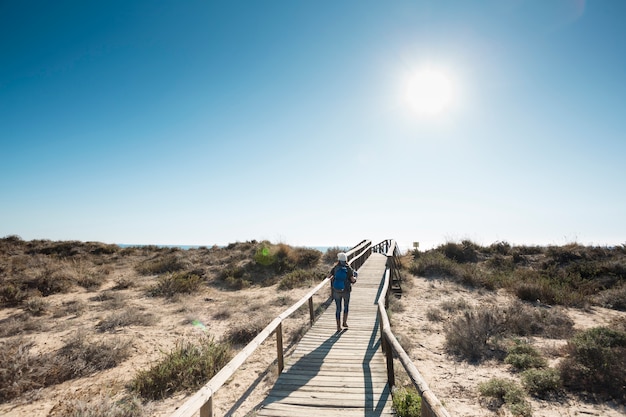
x: 186, y: 368
x: 542, y: 383
x: 596, y: 363
x: 434, y: 264
x: 407, y: 402
x: 169, y: 285
x: 264, y: 255
x: 507, y: 392
x: 524, y: 356
x: 463, y: 252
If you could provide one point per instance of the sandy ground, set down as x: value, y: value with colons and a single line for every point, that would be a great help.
x: 455, y: 383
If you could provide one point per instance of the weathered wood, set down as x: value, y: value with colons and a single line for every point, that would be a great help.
x: 202, y: 399
x: 338, y: 374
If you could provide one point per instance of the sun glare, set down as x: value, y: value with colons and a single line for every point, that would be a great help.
x: 429, y: 92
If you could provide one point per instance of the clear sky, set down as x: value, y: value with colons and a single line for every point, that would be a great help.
x: 202, y: 122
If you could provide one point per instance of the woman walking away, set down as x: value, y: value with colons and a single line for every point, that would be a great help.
x: 342, y: 276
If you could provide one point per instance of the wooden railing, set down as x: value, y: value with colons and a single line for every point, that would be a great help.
x: 431, y: 406
x: 390, y: 249
x: 203, y: 399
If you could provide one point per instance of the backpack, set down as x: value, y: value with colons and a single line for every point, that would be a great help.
x: 341, y: 277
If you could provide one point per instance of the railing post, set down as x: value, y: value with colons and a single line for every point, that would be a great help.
x: 311, y: 311
x: 207, y: 409
x: 391, y: 377
x: 279, y: 347
x: 383, y: 345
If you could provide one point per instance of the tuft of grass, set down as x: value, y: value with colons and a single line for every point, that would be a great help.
x: 81, y: 356
x: 407, y: 402
x: 23, y: 371
x: 127, y: 317
x: 507, y: 392
x: 36, y: 306
x: 124, y: 283
x: 186, y: 368
x: 452, y: 306
x: 100, y: 406
x: 19, y: 369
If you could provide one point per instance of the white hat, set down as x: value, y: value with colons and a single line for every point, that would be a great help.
x: 342, y: 257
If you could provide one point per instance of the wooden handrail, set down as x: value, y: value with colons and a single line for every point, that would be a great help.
x: 431, y: 406
x: 203, y: 399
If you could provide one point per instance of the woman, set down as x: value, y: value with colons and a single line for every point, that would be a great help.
x: 342, y: 276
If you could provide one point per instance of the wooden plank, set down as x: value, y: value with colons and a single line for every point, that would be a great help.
x: 337, y: 374
x: 289, y: 410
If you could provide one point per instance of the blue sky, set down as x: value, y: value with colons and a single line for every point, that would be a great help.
x: 201, y: 122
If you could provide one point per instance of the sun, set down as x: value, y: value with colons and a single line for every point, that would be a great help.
x: 429, y: 92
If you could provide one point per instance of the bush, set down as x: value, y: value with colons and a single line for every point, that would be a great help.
x: 176, y: 283
x: 596, y: 363
x: 18, y: 369
x: 186, y: 368
x: 80, y: 357
x: 21, y: 371
x: 12, y: 294
x: 468, y: 336
x: 506, y: 392
x: 525, y: 320
x: 161, y: 265
x: 523, y: 356
x: 305, y: 257
x: 542, y: 383
x: 614, y: 298
x: 99, y: 406
x: 127, y: 317
x: 464, y: 252
x: 36, y: 306
x: 407, y: 402
x: 298, y: 278
x: 245, y: 331
x: 434, y: 264
x: 330, y: 256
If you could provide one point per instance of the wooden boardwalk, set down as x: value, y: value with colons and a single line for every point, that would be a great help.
x: 338, y: 374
